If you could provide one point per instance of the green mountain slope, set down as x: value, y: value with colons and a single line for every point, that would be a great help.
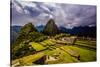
x: 27, y: 34
x: 51, y: 28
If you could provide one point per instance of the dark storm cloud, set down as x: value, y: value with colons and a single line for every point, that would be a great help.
x: 68, y: 15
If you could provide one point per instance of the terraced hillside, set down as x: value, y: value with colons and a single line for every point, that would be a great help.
x: 50, y: 51
x: 50, y: 47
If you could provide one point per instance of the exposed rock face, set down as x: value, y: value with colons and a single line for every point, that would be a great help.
x: 51, y: 28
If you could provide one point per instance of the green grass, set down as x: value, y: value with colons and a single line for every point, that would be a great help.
x: 28, y: 60
x: 31, y: 58
x: 42, y: 43
x: 85, y: 55
x: 37, y: 46
x: 70, y: 51
x: 66, y: 53
x: 68, y: 58
x: 48, y: 42
x: 63, y: 56
x: 89, y: 43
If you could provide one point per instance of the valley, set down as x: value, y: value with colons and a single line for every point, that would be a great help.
x: 54, y: 53
x: 50, y: 46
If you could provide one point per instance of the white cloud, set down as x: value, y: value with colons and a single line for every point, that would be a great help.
x: 45, y: 8
x: 26, y: 11
x: 63, y: 14
x: 43, y: 15
x: 29, y: 4
x: 52, y: 5
x: 17, y: 7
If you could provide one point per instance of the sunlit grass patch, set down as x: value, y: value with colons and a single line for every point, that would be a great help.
x: 48, y: 42
x: 28, y: 60
x: 85, y: 55
x: 37, y: 46
x: 70, y: 51
x: 63, y: 57
x: 87, y: 43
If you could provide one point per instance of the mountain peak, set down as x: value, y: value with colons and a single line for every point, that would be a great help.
x: 29, y: 27
x: 51, y: 21
x: 51, y: 28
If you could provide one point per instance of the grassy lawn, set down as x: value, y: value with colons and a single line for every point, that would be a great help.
x: 43, y: 43
x: 37, y: 46
x: 85, y: 55
x: 67, y: 58
x: 70, y: 51
x: 31, y: 58
x: 63, y: 57
x: 28, y: 60
x: 64, y: 53
x: 48, y: 42
x: 89, y: 43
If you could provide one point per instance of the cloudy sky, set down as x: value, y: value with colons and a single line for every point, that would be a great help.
x: 67, y: 15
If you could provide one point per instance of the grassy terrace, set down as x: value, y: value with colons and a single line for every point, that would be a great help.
x: 48, y: 42
x: 66, y: 53
x: 85, y: 55
x: 36, y: 46
x: 27, y: 60
x: 88, y: 44
x: 63, y: 57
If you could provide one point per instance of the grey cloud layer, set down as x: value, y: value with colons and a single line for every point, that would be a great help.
x: 68, y: 15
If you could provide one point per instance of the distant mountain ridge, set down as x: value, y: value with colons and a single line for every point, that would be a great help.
x: 80, y: 31
x: 15, y: 28
x: 51, y: 29
x: 40, y: 28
